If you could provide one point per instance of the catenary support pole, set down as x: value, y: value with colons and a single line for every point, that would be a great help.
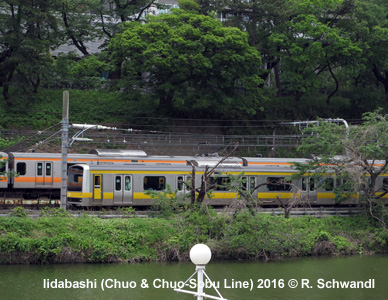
x: 65, y: 146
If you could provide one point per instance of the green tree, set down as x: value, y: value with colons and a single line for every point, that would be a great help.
x: 209, y: 7
x: 95, y: 20
x: 190, y: 62
x: 27, y: 31
x: 311, y: 44
x: 261, y: 20
x: 356, y: 156
x: 113, y: 13
x: 79, y: 22
x: 303, y: 44
x: 369, y: 27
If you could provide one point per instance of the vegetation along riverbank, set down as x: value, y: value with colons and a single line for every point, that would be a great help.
x: 65, y: 239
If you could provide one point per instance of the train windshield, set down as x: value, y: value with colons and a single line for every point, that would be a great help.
x: 2, y: 166
x: 75, y: 178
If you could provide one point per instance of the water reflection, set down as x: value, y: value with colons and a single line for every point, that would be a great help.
x: 237, y: 280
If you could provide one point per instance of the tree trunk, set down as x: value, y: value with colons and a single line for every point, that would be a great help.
x: 35, y: 83
x: 336, y: 86
x: 381, y: 78
x: 277, y: 80
x: 8, y: 79
x: 298, y: 95
x: 165, y: 101
x: 79, y: 44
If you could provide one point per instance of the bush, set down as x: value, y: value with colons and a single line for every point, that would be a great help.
x: 241, y: 236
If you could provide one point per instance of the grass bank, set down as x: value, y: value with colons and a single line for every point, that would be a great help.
x: 63, y: 239
x: 44, y: 109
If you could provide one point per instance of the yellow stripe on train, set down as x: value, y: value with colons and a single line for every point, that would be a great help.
x: 79, y: 195
x: 332, y: 196
x: 215, y: 195
x: 276, y: 195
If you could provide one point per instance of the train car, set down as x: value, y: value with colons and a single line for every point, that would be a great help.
x: 130, y: 185
x: 95, y: 185
x: 39, y: 174
x: 269, y: 178
x: 3, y: 171
x: 269, y: 185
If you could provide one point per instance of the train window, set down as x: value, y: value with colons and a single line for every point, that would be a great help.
x: 48, y: 169
x: 304, y: 184
x: 220, y: 183
x: 278, y: 184
x: 312, y: 184
x: 252, y: 182
x: 156, y: 183
x: 188, y: 181
x: 385, y: 184
x: 74, y: 179
x: 118, y: 183
x: 39, y: 169
x: 128, y: 185
x: 97, y: 181
x: 244, y: 183
x: 346, y: 185
x: 2, y: 166
x: 180, y: 184
x: 329, y: 184
x: 21, y: 168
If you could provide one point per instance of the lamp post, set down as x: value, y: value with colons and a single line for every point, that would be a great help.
x: 200, y: 255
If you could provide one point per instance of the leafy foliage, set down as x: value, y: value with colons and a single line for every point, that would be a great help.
x: 357, y: 156
x: 242, y: 236
x: 187, y: 60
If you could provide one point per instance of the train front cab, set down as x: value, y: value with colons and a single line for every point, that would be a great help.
x: 78, y: 186
x: 88, y: 187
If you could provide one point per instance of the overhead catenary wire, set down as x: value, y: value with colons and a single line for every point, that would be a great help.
x: 154, y: 137
x: 36, y: 134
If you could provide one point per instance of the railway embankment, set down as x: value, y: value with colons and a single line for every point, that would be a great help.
x: 61, y: 238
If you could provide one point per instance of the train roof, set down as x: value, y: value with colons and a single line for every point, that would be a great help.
x: 185, y: 168
x: 138, y: 156
x: 45, y: 155
x: 118, y: 153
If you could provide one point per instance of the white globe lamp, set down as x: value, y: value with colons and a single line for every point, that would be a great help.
x: 200, y: 254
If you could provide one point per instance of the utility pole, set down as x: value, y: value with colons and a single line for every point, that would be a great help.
x: 65, y: 146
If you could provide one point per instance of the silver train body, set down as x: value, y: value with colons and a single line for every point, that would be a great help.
x: 39, y: 174
x: 116, y: 170
x: 104, y: 186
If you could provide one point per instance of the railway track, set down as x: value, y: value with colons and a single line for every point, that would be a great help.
x: 296, y: 212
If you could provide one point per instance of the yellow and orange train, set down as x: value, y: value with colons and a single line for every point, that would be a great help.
x: 124, y: 177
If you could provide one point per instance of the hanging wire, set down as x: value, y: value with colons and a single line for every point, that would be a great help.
x: 34, y: 136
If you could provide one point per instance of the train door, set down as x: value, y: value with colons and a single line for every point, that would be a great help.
x: 44, y: 173
x: 309, y: 190
x: 183, y: 182
x: 249, y: 184
x: 122, y: 193
x: 97, y: 187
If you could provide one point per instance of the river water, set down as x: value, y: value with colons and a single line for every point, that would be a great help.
x: 314, y: 278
